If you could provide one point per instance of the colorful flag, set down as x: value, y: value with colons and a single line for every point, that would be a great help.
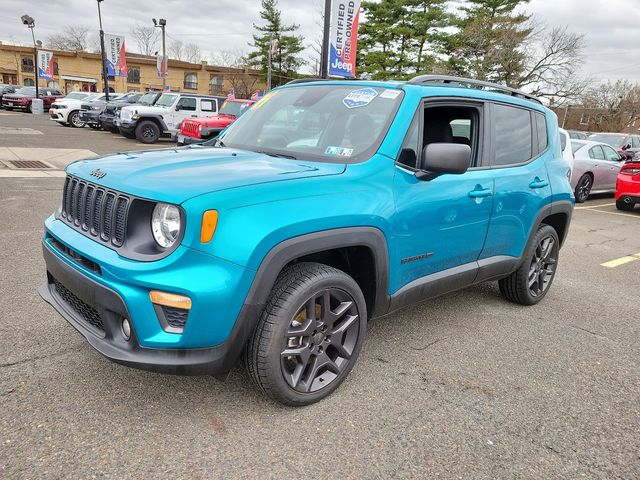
x: 161, y: 67
x: 257, y: 95
x: 45, y: 64
x: 231, y: 95
x: 116, y: 56
x: 343, y: 38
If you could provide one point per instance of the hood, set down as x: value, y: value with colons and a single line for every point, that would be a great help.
x: 68, y: 102
x: 16, y: 96
x: 215, y: 120
x: 175, y: 175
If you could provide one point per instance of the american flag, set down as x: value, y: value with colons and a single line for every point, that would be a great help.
x: 231, y: 95
x: 257, y: 95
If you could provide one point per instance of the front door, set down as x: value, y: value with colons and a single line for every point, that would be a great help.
x: 441, y: 224
x: 186, y: 107
x: 612, y: 164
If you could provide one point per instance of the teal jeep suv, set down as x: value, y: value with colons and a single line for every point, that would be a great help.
x: 327, y: 204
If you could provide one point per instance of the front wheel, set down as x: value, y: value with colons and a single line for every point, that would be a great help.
x: 147, y: 131
x: 531, y: 281
x: 309, y: 335
x: 74, y: 120
x: 583, y: 188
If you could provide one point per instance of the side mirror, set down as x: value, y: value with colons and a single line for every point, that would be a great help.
x: 440, y: 158
x: 178, y: 107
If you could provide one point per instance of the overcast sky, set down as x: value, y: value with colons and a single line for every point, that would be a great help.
x: 611, y: 27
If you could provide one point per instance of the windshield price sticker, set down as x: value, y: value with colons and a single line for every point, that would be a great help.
x: 339, y: 151
x: 360, y: 98
x: 389, y: 93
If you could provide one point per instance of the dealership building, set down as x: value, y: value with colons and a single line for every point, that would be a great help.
x: 79, y: 70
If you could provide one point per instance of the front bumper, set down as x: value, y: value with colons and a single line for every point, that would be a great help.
x: 184, y: 140
x: 217, y: 326
x: 107, y: 120
x: 90, y: 117
x: 127, y: 126
x: 21, y: 106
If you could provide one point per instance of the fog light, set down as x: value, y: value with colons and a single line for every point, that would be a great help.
x: 126, y: 329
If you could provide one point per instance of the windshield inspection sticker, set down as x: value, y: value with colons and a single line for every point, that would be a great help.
x: 360, y: 98
x: 339, y: 151
x: 388, y: 93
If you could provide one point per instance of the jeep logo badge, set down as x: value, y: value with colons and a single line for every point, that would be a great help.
x: 98, y: 173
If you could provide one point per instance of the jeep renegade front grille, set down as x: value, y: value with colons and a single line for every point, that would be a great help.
x: 95, y: 210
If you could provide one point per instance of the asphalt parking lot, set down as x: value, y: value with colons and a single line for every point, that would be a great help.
x: 464, y: 386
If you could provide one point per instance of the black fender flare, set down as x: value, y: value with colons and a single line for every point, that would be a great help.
x: 285, y: 252
x: 561, y: 206
x: 157, y: 118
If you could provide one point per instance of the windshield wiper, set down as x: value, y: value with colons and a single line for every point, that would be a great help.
x: 279, y: 155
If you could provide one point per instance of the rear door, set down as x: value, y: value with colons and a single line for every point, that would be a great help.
x: 600, y: 168
x: 208, y: 107
x: 518, y: 155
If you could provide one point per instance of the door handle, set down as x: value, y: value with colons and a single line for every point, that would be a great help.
x: 480, y: 192
x: 537, y: 183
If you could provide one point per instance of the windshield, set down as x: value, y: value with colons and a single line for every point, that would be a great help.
x: 147, y: 98
x: 26, y: 91
x: 323, y: 122
x: 77, y: 96
x: 234, y: 108
x: 576, y: 145
x: 166, y: 100
x: 613, y: 140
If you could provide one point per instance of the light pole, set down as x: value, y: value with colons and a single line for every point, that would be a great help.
x: 324, y: 57
x: 161, y: 24
x: 105, y: 75
x: 31, y: 23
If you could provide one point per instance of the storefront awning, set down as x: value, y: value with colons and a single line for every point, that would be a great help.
x: 78, y: 79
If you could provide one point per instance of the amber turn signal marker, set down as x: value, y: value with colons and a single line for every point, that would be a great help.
x: 209, y: 223
x: 170, y: 300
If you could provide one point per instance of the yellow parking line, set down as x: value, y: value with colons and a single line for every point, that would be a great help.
x: 621, y: 261
x: 596, y: 206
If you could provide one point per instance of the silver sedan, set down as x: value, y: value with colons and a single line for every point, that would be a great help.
x: 595, y: 168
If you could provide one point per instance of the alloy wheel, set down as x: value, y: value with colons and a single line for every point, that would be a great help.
x: 148, y: 133
x: 584, y: 188
x: 543, y: 266
x: 320, y: 340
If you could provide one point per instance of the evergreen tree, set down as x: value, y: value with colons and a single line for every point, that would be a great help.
x: 286, y: 58
x: 488, y: 43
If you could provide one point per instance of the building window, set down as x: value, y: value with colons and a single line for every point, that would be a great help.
x: 216, y: 84
x: 27, y: 64
x: 28, y: 82
x: 584, y: 119
x: 599, y: 118
x: 133, y: 76
x: 53, y: 85
x: 55, y: 67
x: 191, y: 81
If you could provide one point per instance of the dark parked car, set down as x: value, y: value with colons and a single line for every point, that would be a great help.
x: 4, y: 88
x: 627, y: 145
x: 22, y: 97
x: 112, y: 108
x: 90, y: 111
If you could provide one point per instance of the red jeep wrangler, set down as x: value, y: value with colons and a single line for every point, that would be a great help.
x: 196, y: 130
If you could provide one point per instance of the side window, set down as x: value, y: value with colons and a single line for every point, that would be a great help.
x: 452, y: 124
x: 409, y: 152
x: 563, y: 141
x: 513, y: 135
x: 187, y: 103
x: 611, y: 154
x: 596, y: 153
x: 541, y: 124
x: 208, y: 105
x: 635, y: 142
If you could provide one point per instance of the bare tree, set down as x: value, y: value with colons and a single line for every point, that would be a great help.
x: 552, y: 61
x: 243, y: 84
x: 146, y: 37
x: 228, y: 58
x: 176, y: 50
x: 616, y: 105
x: 72, y: 37
x: 192, y: 53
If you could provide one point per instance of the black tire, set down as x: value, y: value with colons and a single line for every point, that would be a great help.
x: 127, y: 134
x: 625, y: 204
x: 74, y: 120
x: 147, y: 131
x: 323, y: 347
x: 532, y: 280
x: 583, y: 188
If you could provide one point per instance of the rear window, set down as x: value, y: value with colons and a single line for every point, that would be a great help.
x: 576, y: 145
x: 541, y: 124
x: 615, y: 141
x: 513, y: 135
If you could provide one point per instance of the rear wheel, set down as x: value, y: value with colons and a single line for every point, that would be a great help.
x: 625, y: 203
x: 532, y: 280
x: 74, y: 120
x: 309, y: 335
x: 583, y: 188
x: 147, y: 131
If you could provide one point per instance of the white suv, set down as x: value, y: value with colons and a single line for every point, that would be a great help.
x: 149, y: 123
x: 66, y: 111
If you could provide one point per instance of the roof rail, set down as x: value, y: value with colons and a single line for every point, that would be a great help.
x: 444, y: 79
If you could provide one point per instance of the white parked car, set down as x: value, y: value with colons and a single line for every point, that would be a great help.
x: 149, y: 123
x: 565, y: 143
x: 66, y: 111
x: 595, y: 168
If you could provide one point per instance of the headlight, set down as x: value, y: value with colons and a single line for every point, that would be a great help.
x: 125, y: 114
x: 165, y: 224
x: 58, y: 106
